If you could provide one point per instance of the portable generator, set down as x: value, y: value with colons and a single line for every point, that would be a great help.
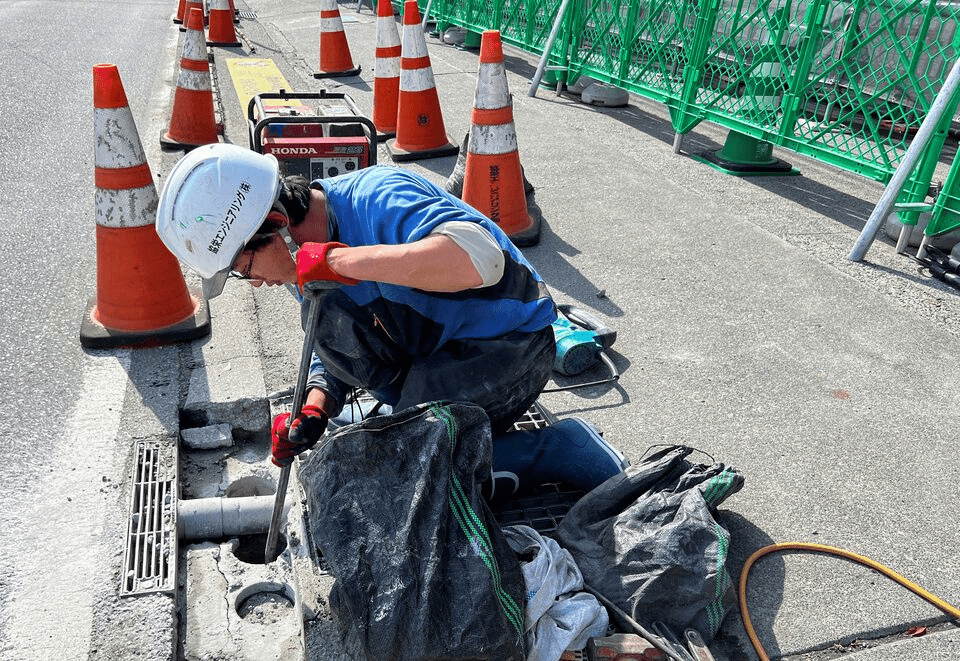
x: 315, y: 142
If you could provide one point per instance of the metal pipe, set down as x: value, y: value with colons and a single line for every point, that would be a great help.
x: 216, y: 518
x: 426, y: 16
x: 904, y: 239
x: 535, y: 83
x: 922, y: 249
x: 914, y: 151
x: 638, y: 629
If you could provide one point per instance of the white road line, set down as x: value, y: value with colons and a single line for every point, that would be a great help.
x: 50, y: 611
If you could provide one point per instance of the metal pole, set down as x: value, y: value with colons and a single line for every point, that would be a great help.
x: 426, y: 16
x: 546, y: 49
x: 914, y: 151
x: 299, y: 395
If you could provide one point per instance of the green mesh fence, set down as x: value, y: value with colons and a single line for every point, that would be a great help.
x: 847, y: 82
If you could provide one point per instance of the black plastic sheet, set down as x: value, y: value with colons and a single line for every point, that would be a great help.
x: 422, y: 569
x: 648, y: 541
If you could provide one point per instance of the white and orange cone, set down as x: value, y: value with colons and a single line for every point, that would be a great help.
x: 221, y: 31
x: 420, y: 129
x: 386, y: 72
x: 335, y: 58
x: 192, y: 121
x: 181, y: 10
x: 142, y: 298
x: 493, y: 178
x: 191, y: 4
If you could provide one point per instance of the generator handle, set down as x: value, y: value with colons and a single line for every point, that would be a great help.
x: 256, y: 101
x: 256, y: 142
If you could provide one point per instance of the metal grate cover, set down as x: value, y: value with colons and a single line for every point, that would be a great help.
x: 150, y: 560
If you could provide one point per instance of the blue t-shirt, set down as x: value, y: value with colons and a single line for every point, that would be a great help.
x: 390, y: 205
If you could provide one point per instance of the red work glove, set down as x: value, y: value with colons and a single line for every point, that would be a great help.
x: 312, y: 264
x: 290, y: 439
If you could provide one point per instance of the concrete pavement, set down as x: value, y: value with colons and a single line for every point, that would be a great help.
x: 743, y: 331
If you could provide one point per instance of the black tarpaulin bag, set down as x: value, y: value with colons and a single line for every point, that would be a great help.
x: 647, y: 540
x: 422, y: 569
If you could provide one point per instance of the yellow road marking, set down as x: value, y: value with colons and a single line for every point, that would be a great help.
x: 252, y: 76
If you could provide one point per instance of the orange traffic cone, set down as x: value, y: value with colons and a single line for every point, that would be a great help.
x: 192, y: 122
x: 493, y: 179
x: 335, y: 60
x: 386, y: 72
x: 221, y: 32
x: 142, y: 298
x: 181, y: 10
x: 420, y: 130
x: 186, y: 13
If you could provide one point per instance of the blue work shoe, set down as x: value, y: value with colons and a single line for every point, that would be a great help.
x: 570, y: 451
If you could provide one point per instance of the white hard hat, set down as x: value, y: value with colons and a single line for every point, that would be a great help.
x: 216, y: 198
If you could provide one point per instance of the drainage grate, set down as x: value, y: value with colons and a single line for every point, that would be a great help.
x: 247, y: 14
x: 150, y: 561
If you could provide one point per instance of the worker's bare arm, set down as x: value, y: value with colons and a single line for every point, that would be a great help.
x: 435, y: 263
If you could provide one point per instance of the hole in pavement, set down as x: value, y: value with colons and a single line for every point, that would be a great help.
x: 251, y: 549
x: 251, y: 485
x: 265, y: 603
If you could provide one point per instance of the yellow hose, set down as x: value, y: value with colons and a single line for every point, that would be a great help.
x: 953, y: 611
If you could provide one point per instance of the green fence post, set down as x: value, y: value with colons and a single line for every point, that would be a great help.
x: 917, y: 187
x: 807, y: 45
x: 628, y: 39
x: 744, y: 155
x: 945, y: 216
x: 682, y: 114
x: 946, y: 210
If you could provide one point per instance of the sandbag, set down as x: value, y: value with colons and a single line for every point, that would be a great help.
x: 647, y: 540
x: 422, y: 568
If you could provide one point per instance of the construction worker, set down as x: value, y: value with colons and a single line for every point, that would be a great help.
x: 436, y: 302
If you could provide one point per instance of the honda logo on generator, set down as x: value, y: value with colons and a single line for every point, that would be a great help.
x: 323, y: 157
x: 315, y: 143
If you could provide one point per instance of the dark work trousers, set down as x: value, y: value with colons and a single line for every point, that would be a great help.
x: 504, y: 375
